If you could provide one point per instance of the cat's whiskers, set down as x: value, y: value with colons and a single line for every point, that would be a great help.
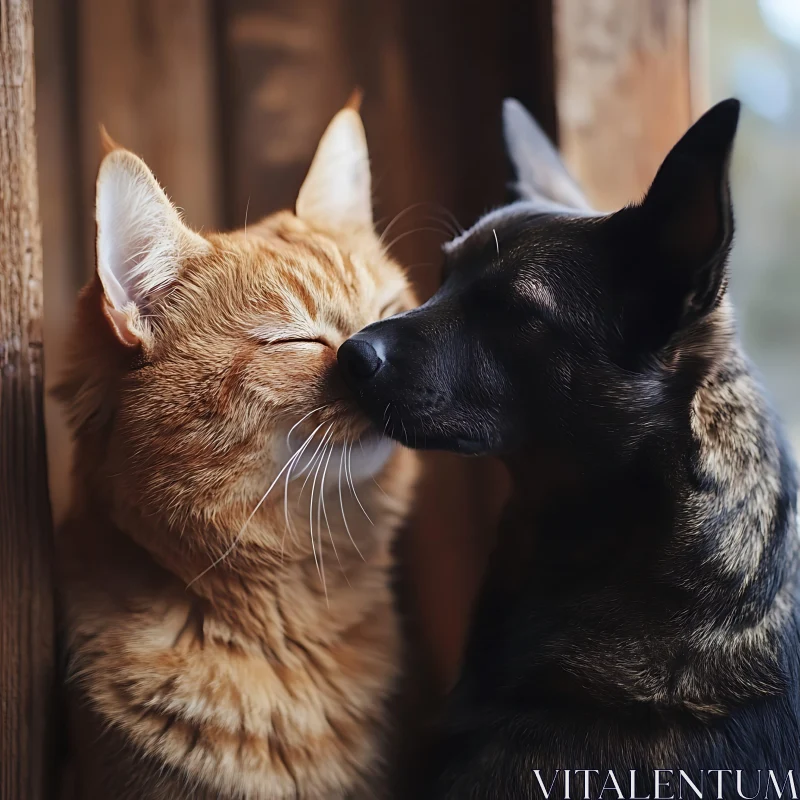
x: 320, y: 500
x: 449, y: 228
x: 387, y: 418
x: 288, y: 525
x: 319, y: 522
x: 349, y: 469
x: 397, y: 217
x: 295, y: 460
x: 325, y: 514
x: 238, y: 536
x: 341, y: 501
x: 379, y: 486
x: 453, y: 228
x: 310, y: 465
x: 311, y: 512
x: 302, y: 420
x: 453, y: 220
x: 423, y: 229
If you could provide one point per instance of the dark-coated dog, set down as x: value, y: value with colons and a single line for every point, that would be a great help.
x: 637, y: 633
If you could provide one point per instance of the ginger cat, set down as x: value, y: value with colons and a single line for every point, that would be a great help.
x: 225, y: 561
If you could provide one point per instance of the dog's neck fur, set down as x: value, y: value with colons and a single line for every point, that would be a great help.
x: 700, y: 524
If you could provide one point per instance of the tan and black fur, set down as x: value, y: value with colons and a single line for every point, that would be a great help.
x: 641, y: 609
x: 225, y: 562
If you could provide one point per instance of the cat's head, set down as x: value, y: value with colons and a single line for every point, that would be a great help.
x: 557, y: 326
x: 195, y: 355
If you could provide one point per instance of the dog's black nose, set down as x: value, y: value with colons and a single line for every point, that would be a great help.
x: 359, y: 359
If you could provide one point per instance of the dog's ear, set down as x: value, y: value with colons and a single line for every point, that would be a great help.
x: 541, y: 174
x: 684, y: 225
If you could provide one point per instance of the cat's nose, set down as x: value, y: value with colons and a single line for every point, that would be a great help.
x: 360, y: 358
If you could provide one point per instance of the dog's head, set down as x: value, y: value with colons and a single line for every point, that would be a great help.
x: 556, y: 321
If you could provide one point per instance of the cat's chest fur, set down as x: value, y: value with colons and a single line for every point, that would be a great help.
x: 283, y: 694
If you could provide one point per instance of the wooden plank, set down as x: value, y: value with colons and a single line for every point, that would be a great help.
x: 623, y: 90
x: 60, y: 212
x: 147, y: 71
x: 26, y: 604
x: 286, y: 74
x: 699, y: 71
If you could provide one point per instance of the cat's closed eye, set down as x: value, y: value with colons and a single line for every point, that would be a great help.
x: 296, y: 340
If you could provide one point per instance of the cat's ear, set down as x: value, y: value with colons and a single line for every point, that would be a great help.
x: 684, y: 225
x: 337, y: 192
x: 141, y: 242
x: 540, y: 172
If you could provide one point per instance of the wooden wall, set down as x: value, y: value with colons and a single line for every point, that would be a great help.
x: 27, y: 647
x: 629, y: 82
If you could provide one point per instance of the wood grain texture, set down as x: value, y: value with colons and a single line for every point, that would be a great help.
x: 147, y: 71
x: 623, y: 87
x: 26, y: 604
x: 286, y: 73
x: 61, y: 213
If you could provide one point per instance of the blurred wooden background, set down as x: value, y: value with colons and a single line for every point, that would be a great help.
x: 226, y: 100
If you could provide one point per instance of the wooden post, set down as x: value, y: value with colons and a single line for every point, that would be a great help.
x: 26, y: 603
x: 624, y: 93
x: 62, y: 214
